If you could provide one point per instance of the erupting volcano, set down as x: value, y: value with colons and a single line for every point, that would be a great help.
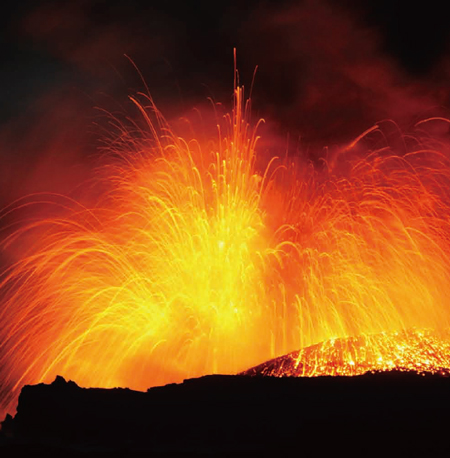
x: 210, y: 257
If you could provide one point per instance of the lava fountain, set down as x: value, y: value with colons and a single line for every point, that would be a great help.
x: 208, y: 257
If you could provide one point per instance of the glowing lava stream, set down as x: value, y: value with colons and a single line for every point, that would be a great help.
x: 205, y: 258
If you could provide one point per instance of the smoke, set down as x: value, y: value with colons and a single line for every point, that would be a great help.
x: 328, y: 72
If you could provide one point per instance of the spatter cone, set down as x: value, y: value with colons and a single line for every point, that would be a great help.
x: 422, y: 351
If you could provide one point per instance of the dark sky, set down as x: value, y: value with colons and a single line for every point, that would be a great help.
x: 327, y: 70
x: 188, y: 44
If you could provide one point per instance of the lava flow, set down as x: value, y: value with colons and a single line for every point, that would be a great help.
x: 423, y: 351
x: 205, y: 258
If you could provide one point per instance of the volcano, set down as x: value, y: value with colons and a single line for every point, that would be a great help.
x: 209, y: 257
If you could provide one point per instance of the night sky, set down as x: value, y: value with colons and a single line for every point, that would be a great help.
x: 327, y: 70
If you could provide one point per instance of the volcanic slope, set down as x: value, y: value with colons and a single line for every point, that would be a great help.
x: 421, y: 351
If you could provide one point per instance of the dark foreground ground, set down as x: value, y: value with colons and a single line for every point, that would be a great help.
x: 387, y: 414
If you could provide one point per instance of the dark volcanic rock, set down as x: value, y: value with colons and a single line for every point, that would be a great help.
x: 387, y: 414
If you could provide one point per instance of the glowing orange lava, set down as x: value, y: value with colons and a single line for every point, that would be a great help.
x: 205, y: 258
x: 423, y: 351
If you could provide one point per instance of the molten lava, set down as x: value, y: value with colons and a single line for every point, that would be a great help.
x: 205, y: 257
x: 416, y: 351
